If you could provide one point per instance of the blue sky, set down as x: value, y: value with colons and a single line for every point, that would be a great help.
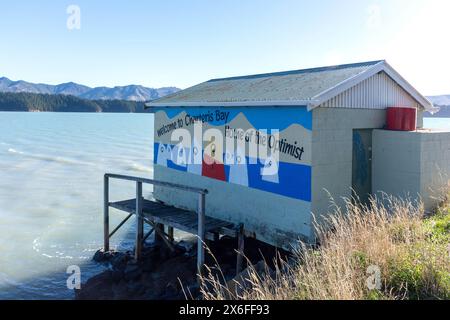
x: 183, y: 42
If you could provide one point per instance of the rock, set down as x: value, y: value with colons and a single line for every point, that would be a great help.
x: 119, y: 261
x: 157, y: 275
x: 97, y: 288
x: 117, y: 275
x: 101, y: 256
x: 149, y: 265
x: 120, y: 290
x: 135, y: 288
x: 187, y: 245
x: 228, y: 268
x: 241, y: 282
x: 132, y: 272
x: 171, y: 292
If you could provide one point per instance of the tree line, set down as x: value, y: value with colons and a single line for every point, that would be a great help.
x: 23, y: 101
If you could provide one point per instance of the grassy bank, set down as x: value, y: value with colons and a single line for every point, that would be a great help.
x: 381, y: 251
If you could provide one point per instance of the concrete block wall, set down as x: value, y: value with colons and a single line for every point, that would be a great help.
x: 396, y: 163
x: 411, y: 164
x: 272, y: 218
x: 434, y: 166
x: 332, y: 144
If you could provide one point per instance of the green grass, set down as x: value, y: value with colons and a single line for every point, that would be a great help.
x: 411, y: 251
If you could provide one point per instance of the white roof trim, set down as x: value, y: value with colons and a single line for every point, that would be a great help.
x: 271, y: 103
x: 381, y: 66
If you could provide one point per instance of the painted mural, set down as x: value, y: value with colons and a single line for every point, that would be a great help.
x: 265, y: 149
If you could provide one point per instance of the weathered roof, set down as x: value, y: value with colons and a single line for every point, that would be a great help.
x: 309, y: 87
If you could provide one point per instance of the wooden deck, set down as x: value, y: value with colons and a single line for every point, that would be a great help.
x: 160, y: 215
x: 184, y: 220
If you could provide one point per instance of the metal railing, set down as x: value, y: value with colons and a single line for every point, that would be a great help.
x: 140, y: 218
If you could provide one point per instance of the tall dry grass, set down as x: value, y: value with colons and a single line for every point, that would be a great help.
x: 388, y: 235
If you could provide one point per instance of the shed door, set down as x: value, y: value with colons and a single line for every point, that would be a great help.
x: 362, y: 164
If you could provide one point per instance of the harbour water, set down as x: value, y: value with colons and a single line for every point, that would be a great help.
x: 51, y: 171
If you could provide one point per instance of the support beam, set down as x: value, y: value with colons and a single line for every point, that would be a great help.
x: 139, y: 222
x: 148, y: 234
x: 159, y: 231
x: 105, y: 213
x: 170, y: 233
x: 240, y: 252
x: 201, y: 233
x: 120, y: 225
x: 165, y: 238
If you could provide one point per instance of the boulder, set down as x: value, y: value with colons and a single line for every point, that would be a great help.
x: 132, y: 272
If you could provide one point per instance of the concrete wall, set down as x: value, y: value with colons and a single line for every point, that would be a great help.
x: 273, y: 218
x: 411, y: 164
x: 332, y: 144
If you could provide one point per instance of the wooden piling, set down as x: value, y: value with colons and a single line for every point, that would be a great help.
x: 105, y: 213
x: 139, y: 222
x: 170, y: 233
x: 201, y: 233
x: 240, y: 253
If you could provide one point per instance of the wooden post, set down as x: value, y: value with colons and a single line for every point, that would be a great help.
x: 159, y: 231
x: 240, y: 253
x: 139, y: 222
x: 170, y: 233
x: 105, y: 214
x: 201, y: 233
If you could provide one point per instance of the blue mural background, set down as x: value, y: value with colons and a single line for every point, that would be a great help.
x: 293, y: 179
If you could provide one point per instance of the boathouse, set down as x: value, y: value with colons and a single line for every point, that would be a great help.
x: 329, y: 129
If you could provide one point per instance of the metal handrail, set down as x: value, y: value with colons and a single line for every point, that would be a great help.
x: 156, y: 183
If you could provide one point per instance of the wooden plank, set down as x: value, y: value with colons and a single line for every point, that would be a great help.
x: 181, y: 219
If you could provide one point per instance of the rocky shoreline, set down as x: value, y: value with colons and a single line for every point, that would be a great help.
x: 165, y: 274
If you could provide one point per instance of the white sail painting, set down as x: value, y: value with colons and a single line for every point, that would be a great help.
x: 194, y: 164
x: 238, y: 167
x: 179, y: 155
x: 269, y: 172
x: 164, y: 154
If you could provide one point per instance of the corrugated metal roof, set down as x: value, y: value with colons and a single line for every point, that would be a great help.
x: 310, y: 87
x: 290, y: 85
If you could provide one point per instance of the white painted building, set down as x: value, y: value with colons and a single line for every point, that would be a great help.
x: 328, y: 120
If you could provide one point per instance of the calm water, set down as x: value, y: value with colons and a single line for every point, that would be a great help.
x: 51, y: 170
x: 437, y: 123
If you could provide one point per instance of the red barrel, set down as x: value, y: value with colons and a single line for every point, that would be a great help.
x: 401, y: 118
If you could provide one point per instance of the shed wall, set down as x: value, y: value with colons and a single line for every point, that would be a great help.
x: 332, y: 143
x: 434, y: 167
x: 277, y: 212
x: 411, y: 164
x: 396, y: 163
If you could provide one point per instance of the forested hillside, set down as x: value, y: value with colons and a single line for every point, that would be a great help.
x: 64, y: 103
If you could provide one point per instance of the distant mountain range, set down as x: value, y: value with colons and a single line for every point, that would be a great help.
x: 130, y: 93
x: 133, y: 93
x: 443, y: 102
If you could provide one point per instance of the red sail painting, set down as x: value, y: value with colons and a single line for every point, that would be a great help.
x: 211, y: 168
